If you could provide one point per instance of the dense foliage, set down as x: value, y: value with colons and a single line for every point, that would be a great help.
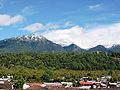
x: 47, y: 67
x: 72, y: 61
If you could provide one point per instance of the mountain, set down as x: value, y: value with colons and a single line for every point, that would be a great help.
x: 98, y: 48
x: 29, y: 43
x: 115, y: 48
x: 73, y: 48
x: 38, y: 43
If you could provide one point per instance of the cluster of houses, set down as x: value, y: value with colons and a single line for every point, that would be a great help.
x: 103, y: 82
x: 83, y: 84
x: 5, y: 83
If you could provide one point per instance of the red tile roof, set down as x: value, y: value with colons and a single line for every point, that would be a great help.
x: 86, y: 83
x: 36, y: 84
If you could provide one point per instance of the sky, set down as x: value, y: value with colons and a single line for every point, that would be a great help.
x: 86, y: 23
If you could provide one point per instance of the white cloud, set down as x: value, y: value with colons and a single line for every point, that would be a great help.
x: 39, y: 26
x: 34, y: 27
x: 68, y: 24
x: 93, y: 7
x: 106, y: 35
x: 65, y: 36
x: 6, y: 20
x: 51, y: 26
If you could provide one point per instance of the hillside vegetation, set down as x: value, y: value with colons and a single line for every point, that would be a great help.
x: 48, y: 67
x: 72, y: 61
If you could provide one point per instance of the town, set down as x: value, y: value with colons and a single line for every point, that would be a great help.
x: 85, y: 83
x: 59, y: 44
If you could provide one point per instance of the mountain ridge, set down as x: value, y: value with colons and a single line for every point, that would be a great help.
x: 73, y: 48
x: 29, y: 43
x: 38, y: 43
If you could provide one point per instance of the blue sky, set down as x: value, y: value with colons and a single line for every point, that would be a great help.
x: 19, y: 17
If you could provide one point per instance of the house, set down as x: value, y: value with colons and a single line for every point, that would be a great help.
x: 118, y: 84
x: 87, y: 85
x: 34, y: 86
x: 104, y: 79
x: 91, y: 84
x: 6, y: 85
x: 67, y: 84
x: 53, y: 84
x: 112, y: 85
x: 84, y: 79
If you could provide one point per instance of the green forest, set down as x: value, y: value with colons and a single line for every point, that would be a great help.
x: 54, y: 67
x: 71, y: 61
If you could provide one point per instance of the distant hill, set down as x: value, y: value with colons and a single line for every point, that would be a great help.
x: 74, y: 48
x: 100, y: 48
x: 115, y: 48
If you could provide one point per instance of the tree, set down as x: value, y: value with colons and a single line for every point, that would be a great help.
x: 47, y: 76
x: 18, y: 84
